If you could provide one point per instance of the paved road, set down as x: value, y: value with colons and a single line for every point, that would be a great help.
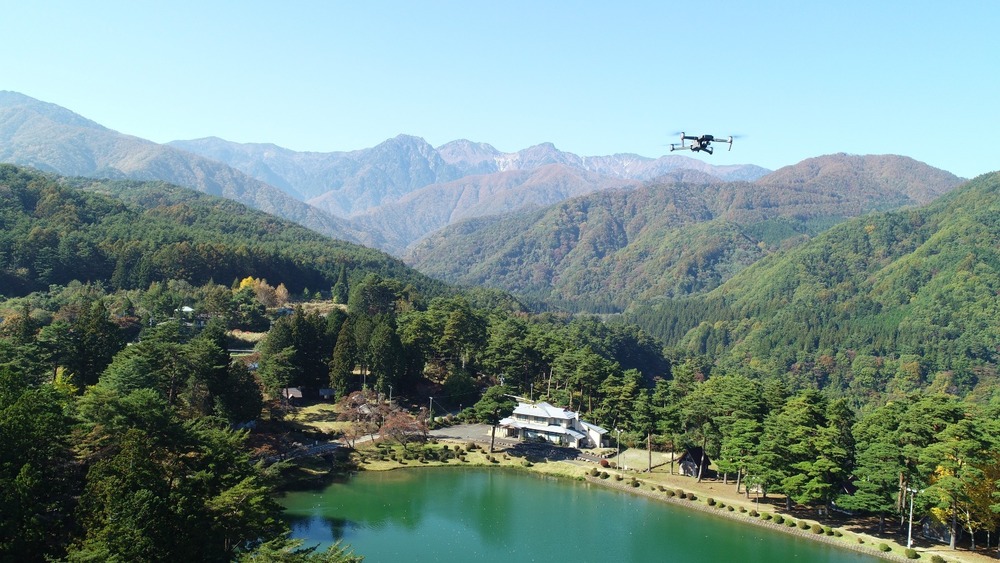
x: 475, y: 432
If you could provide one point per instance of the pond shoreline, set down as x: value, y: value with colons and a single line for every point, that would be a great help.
x: 652, y: 487
x: 744, y: 517
x: 576, y: 471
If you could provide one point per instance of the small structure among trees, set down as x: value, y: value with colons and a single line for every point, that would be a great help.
x: 694, y: 462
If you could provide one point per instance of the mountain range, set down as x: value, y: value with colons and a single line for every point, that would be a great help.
x: 401, y: 190
x: 53, y: 139
x: 355, y: 196
x: 589, y: 233
x: 599, y: 252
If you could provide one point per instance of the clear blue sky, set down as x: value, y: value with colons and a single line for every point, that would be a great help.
x: 796, y: 79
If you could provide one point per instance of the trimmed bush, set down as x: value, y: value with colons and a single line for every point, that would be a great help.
x: 526, y: 463
x: 779, y: 519
x: 691, y: 496
x: 604, y: 475
x: 680, y: 493
x: 710, y: 501
x: 670, y: 493
x: 790, y: 523
x: 803, y: 524
x: 594, y: 472
x: 816, y: 529
x: 766, y: 516
x: 861, y: 539
x: 838, y: 534
x: 604, y: 463
x: 730, y: 509
x: 911, y: 553
x: 754, y: 513
x: 618, y: 477
x: 743, y: 510
x: 884, y: 547
x: 937, y: 559
x: 635, y: 483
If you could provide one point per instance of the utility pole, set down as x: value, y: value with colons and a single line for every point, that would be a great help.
x: 618, y: 457
x: 909, y: 533
x: 430, y: 412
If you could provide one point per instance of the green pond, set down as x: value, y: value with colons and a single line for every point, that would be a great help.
x: 486, y: 515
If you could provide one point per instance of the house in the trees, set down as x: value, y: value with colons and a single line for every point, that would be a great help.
x: 289, y: 393
x: 693, y: 459
x: 544, y: 422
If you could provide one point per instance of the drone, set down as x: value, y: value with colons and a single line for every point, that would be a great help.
x: 702, y: 143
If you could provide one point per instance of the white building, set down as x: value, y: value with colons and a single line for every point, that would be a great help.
x: 542, y: 421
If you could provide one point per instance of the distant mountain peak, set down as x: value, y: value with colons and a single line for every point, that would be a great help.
x: 884, y: 172
x: 14, y: 103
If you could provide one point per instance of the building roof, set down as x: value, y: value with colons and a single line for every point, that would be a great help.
x: 548, y: 429
x: 544, y: 410
x: 593, y: 427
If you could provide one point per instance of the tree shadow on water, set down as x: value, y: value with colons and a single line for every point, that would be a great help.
x: 318, y: 528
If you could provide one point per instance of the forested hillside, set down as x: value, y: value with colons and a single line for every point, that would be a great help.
x: 601, y: 252
x: 124, y: 418
x: 886, y: 303
x: 128, y: 234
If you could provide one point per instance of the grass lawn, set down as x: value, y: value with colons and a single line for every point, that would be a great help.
x: 387, y: 456
x: 321, y: 417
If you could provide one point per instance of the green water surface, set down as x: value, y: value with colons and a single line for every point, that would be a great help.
x: 487, y: 515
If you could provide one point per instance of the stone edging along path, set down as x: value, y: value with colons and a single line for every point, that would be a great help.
x: 742, y: 517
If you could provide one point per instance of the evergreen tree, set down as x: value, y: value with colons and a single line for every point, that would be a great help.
x: 343, y: 361
x: 341, y: 290
x: 94, y: 340
x: 386, y: 353
x: 37, y: 482
x: 495, y: 404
